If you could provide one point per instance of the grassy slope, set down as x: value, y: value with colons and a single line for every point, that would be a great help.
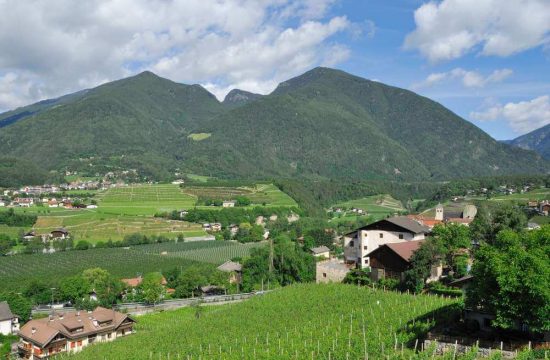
x: 299, y: 322
x: 377, y: 206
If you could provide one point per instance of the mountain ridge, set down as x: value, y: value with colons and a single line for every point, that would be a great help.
x: 324, y: 124
x: 537, y: 140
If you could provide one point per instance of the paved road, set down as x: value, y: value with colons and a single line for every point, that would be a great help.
x: 142, y: 308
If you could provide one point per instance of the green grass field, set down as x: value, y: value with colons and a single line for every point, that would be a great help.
x: 144, y: 199
x: 377, y: 206
x: 536, y: 194
x: 17, y: 271
x: 304, y: 321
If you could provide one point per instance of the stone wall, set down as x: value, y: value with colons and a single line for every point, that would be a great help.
x: 443, y: 347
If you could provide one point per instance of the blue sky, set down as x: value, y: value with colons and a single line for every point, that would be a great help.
x: 486, y: 60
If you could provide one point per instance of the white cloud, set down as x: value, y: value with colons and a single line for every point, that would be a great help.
x: 55, y: 47
x: 470, y: 79
x: 523, y: 116
x: 451, y: 28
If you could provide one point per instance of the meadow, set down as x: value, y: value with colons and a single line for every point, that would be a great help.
x: 17, y: 271
x: 303, y: 321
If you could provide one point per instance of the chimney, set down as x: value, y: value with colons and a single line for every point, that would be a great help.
x: 33, y: 330
x: 78, y: 313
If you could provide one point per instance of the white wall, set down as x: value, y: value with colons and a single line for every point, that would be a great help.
x: 369, y: 240
x: 5, y: 327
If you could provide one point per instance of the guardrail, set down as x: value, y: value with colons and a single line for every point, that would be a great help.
x: 140, y: 307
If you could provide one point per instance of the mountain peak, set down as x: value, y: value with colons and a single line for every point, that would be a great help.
x: 240, y: 97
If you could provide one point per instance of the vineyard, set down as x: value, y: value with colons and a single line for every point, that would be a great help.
x: 144, y: 199
x: 214, y: 252
x: 299, y: 322
x: 267, y: 194
x: 17, y: 271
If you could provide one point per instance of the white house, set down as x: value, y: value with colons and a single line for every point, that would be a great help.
x: 362, y: 241
x: 9, y: 323
x: 321, y: 251
x: 229, y: 203
x: 2, y: 204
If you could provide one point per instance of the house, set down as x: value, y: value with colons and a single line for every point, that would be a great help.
x: 71, y: 332
x: 91, y: 206
x: 183, y: 213
x: 178, y: 182
x: 30, y: 235
x: 273, y: 217
x: 234, y: 229
x: 234, y: 269
x: 533, y: 226
x: 206, y: 227
x: 228, y: 203
x: 362, y: 241
x: 321, y: 251
x: 330, y: 271
x: 2, y: 203
x: 9, y: 323
x: 463, y: 283
x: 60, y: 233
x: 210, y: 290
x: 393, y: 259
x: 293, y: 218
x: 135, y: 282
x: 24, y: 202
x: 216, y: 227
x: 544, y: 207
x: 53, y: 203
x: 260, y: 220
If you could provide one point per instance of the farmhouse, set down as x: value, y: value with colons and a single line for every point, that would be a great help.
x: 9, y: 323
x: 321, y: 251
x: 60, y: 233
x: 71, y: 332
x: 216, y: 227
x: 362, y: 241
x: 234, y: 269
x: 392, y: 260
x: 228, y: 203
x: 330, y: 271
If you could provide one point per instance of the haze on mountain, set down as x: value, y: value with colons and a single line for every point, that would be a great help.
x: 537, y: 140
x: 324, y: 124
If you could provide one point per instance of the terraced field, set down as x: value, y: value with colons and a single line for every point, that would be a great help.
x: 260, y: 194
x: 377, y: 206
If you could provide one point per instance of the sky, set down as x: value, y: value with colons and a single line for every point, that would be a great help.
x: 486, y: 60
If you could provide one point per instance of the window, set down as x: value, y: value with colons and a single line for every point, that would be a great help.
x: 79, y: 343
x: 365, y: 247
x: 351, y: 243
x: 72, y: 344
x: 381, y: 235
x: 366, y: 261
x: 401, y: 236
x: 324, y: 275
x: 109, y: 335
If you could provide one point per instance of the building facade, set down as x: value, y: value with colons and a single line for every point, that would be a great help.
x: 71, y: 332
x: 362, y: 241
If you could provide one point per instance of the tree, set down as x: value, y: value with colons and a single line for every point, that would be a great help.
x: 74, y: 288
x: 152, y: 288
x: 422, y: 260
x: 82, y: 245
x: 19, y: 305
x: 6, y: 244
x: 450, y: 238
x: 38, y: 292
x: 107, y: 287
x: 357, y: 277
x: 189, y: 281
x: 511, y: 278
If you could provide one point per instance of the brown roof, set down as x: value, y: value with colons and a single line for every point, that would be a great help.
x: 402, y: 222
x: 72, y: 325
x: 404, y: 249
x: 135, y: 282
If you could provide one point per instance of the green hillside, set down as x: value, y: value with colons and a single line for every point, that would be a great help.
x: 324, y: 124
x: 298, y: 322
x: 537, y: 140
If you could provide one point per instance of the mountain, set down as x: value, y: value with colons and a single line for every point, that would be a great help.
x: 537, y: 140
x: 324, y: 124
x: 237, y: 97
